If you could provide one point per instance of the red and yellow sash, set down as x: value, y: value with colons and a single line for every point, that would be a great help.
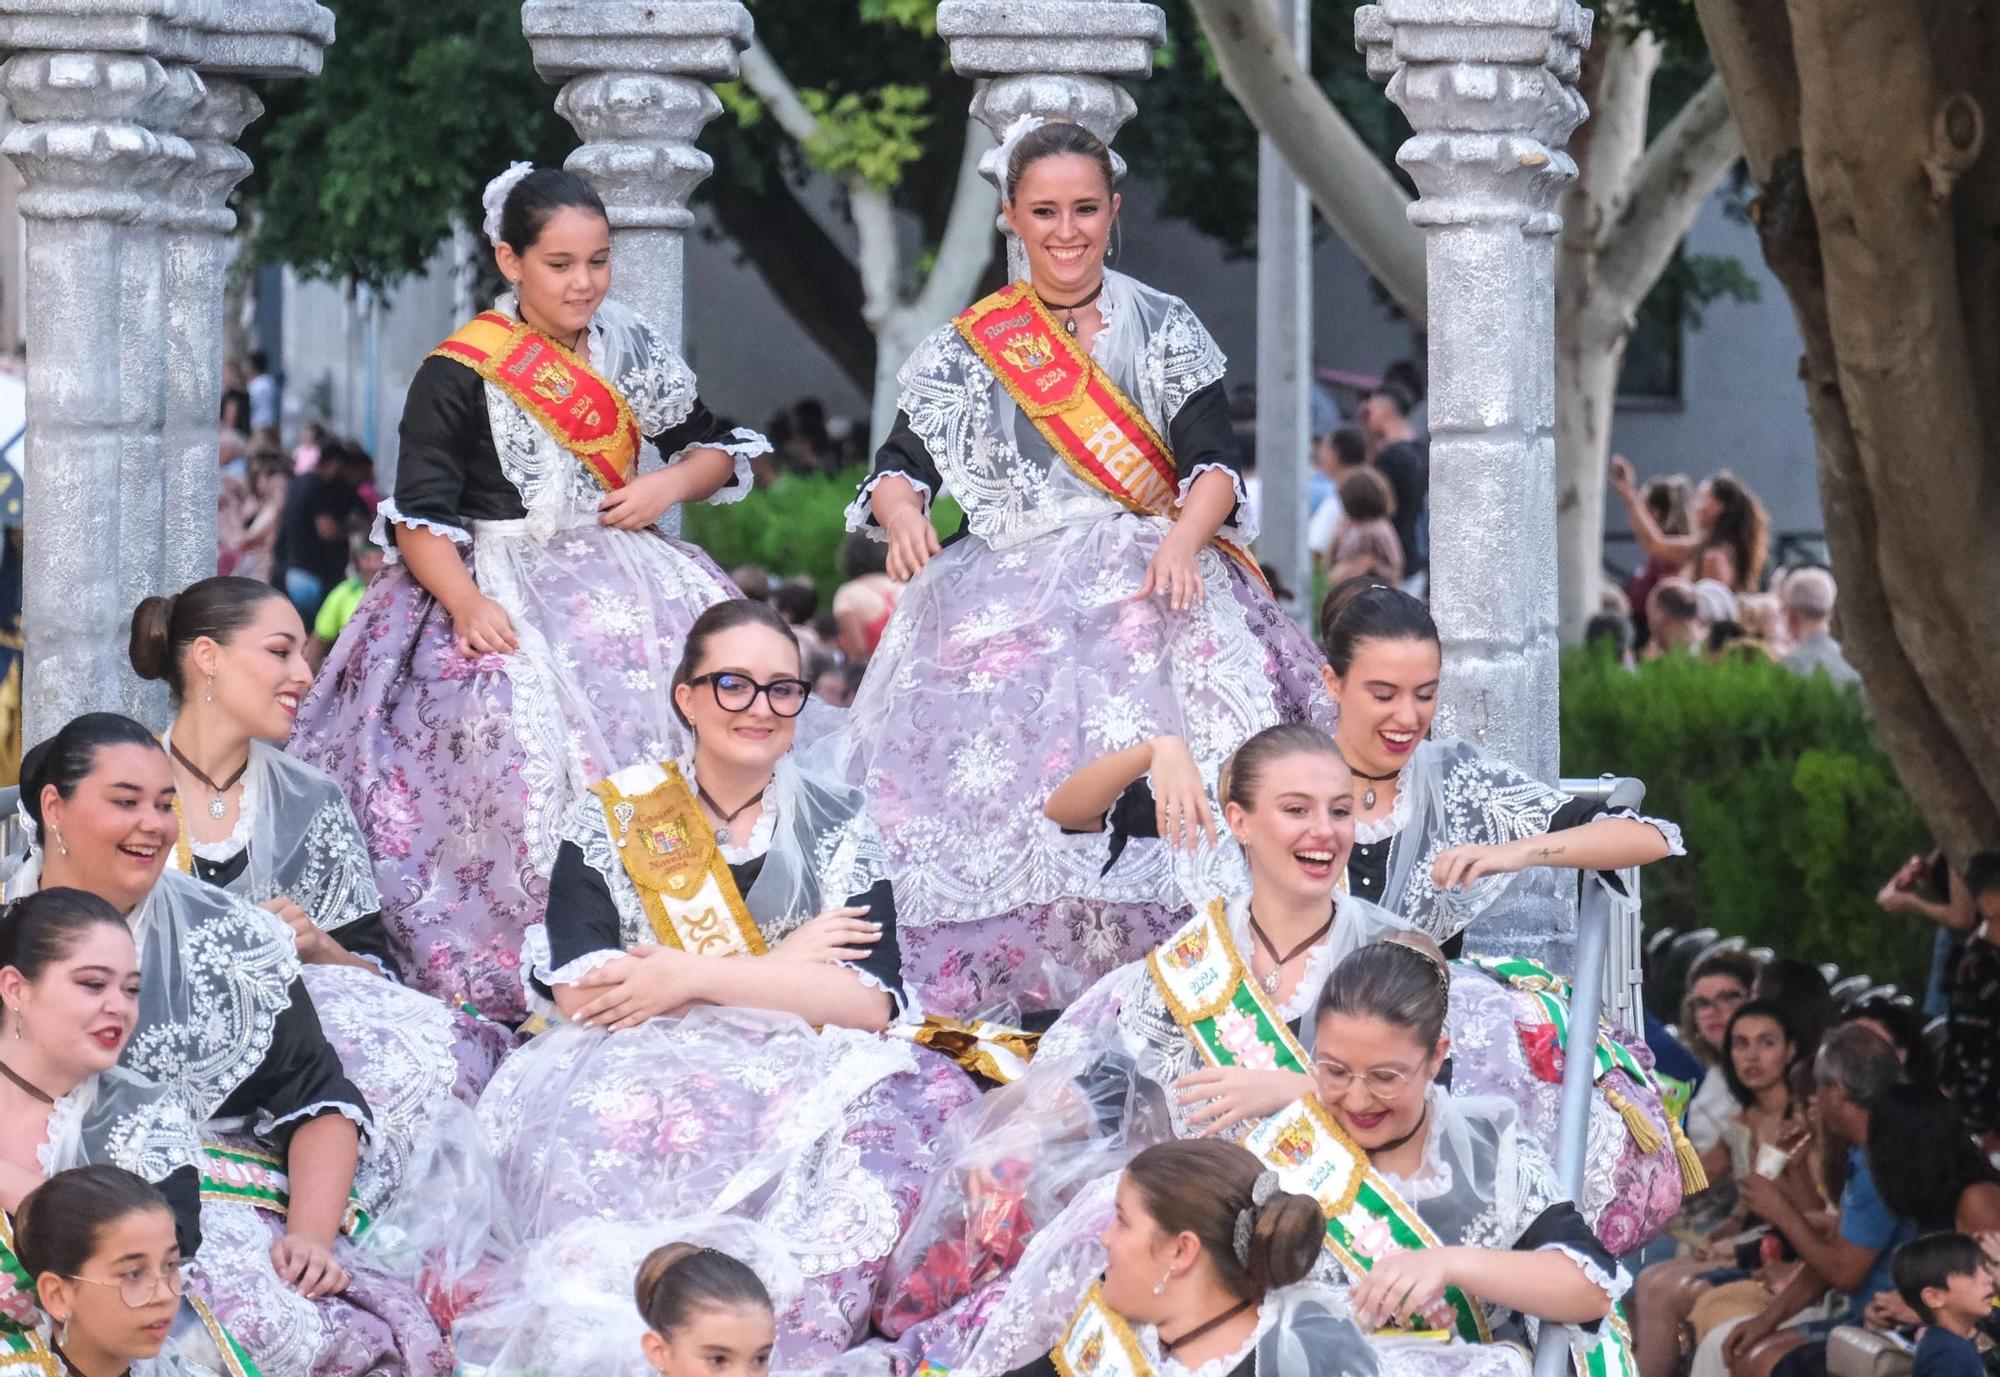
x: 587, y: 415
x: 1085, y: 416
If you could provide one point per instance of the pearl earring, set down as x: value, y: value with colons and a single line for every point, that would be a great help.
x: 209, y: 695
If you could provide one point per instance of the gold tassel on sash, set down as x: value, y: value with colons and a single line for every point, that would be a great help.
x: 1644, y: 1136
x: 1694, y: 1177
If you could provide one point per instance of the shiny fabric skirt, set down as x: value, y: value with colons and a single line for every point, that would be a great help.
x: 1001, y: 672
x: 460, y: 770
x: 820, y: 1139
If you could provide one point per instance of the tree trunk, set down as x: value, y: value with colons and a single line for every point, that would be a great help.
x: 1877, y: 214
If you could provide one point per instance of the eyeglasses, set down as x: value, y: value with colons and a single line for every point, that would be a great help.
x: 736, y: 692
x: 140, y: 1289
x: 1386, y: 1083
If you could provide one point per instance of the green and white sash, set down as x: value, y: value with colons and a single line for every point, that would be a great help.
x: 1208, y: 989
x: 1099, y: 1343
x: 245, y: 1177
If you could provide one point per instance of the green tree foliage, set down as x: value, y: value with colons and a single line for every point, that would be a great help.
x: 794, y: 527
x: 1793, y: 813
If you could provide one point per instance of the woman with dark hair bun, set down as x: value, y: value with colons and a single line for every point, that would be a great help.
x: 516, y: 651
x: 1100, y: 594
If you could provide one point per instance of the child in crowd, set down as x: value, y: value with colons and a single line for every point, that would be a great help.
x: 1943, y: 1278
x: 338, y: 609
x: 707, y: 1314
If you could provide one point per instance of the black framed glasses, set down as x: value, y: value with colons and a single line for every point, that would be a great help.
x: 141, y: 1287
x: 736, y: 692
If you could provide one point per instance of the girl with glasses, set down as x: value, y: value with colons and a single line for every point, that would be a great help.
x: 732, y: 1030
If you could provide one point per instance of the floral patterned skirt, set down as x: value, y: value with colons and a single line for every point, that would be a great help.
x: 1001, y: 672
x: 460, y: 770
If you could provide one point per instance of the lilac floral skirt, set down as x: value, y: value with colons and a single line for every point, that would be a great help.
x: 1002, y: 671
x: 459, y: 770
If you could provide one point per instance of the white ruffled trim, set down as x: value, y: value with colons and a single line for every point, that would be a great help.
x: 266, y: 1125
x: 742, y: 446
x: 761, y: 832
x: 1168, y: 1366
x: 1670, y: 831
x: 64, y: 1115
x: 536, y: 956
x: 1243, y: 529
x: 861, y: 517
x: 907, y: 1011
x: 1613, y: 1287
x: 387, y: 514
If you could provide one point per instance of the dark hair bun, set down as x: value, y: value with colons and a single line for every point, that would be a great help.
x: 151, y: 644
x: 1285, y: 1241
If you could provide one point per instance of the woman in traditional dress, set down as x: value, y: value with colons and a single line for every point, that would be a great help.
x: 1099, y: 596
x: 1443, y: 1213
x: 520, y: 650
x: 1201, y: 1037
x: 102, y: 1249
x: 279, y: 833
x: 226, y: 1025
x: 706, y: 916
x: 1445, y: 834
x: 1202, y: 1261
x: 69, y: 984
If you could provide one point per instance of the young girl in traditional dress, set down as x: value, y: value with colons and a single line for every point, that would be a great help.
x: 520, y: 650
x: 274, y: 830
x: 733, y: 1030
x: 706, y: 1313
x: 1201, y: 1264
x: 1099, y: 596
x: 227, y: 1027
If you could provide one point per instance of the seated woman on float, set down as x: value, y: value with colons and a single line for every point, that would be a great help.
x: 1195, y: 1039
x: 685, y: 1079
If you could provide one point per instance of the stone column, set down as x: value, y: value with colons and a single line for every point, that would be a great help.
x: 1489, y: 88
x: 1059, y: 59
x: 104, y: 97
x: 638, y: 92
x: 1285, y: 353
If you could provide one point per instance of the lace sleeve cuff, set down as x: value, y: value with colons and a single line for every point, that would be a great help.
x: 1243, y: 529
x: 1669, y: 830
x: 741, y: 446
x: 267, y: 1126
x: 387, y: 515
x: 1614, y: 1287
x: 907, y: 1012
x: 861, y: 516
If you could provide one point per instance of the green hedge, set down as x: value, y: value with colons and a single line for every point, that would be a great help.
x: 793, y: 527
x: 1793, y: 814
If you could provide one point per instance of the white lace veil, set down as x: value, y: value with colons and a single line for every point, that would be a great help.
x: 120, y: 1119
x: 214, y: 974
x: 304, y: 843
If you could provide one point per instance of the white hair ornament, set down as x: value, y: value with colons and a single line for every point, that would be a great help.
x: 495, y: 198
x: 994, y: 164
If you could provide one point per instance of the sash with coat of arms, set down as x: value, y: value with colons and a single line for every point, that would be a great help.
x: 670, y: 853
x: 1085, y: 416
x: 586, y: 414
x: 1208, y: 989
x: 1099, y: 1343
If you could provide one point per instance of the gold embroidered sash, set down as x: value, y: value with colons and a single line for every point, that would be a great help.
x: 670, y: 853
x: 1099, y: 1343
x: 1085, y: 416
x: 582, y: 409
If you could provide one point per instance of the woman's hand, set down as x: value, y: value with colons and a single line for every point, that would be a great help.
x: 1747, y: 1336
x: 837, y: 935
x: 1230, y: 1094
x: 643, y: 500
x: 482, y: 627
x: 912, y: 542
x: 1175, y: 572
x: 308, y: 1266
x: 1622, y: 477
x: 1457, y: 867
x: 1180, y: 800
x: 648, y: 982
x: 1400, y: 1286
x: 315, y: 948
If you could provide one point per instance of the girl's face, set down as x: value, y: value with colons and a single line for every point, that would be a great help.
x: 565, y: 274
x: 1707, y: 510
x: 136, y: 1255
x: 1371, y: 1075
x: 1760, y: 1052
x: 79, y: 1014
x: 1063, y: 212
x: 717, y: 1341
x: 118, y: 827
x: 1300, y: 828
x: 1714, y: 1001
x: 1387, y: 701
x: 1138, y: 1253
x: 259, y: 675
x: 734, y: 664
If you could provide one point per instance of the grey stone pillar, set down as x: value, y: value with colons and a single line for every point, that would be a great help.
x: 638, y: 92
x: 1059, y: 59
x: 109, y: 110
x: 1489, y: 88
x: 1285, y: 353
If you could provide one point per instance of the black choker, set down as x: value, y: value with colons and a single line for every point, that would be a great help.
x: 1069, y: 311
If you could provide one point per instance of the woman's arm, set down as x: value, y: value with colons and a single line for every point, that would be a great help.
x: 1547, y: 1283
x: 1655, y: 542
x: 1210, y: 500
x: 697, y: 475
x: 321, y: 1162
x: 1080, y: 802
x: 1601, y: 844
x: 651, y: 981
x: 482, y: 625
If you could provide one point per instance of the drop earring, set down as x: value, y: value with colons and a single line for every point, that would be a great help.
x: 1160, y: 1286
x: 61, y: 845
x: 208, y: 695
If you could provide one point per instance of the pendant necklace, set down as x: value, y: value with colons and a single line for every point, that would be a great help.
x: 1277, y: 970
x: 727, y: 815
x: 1368, y: 794
x: 216, y: 806
x: 1069, y: 311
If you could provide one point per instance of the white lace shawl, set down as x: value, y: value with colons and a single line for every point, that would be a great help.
x: 121, y: 1119
x: 1012, y: 485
